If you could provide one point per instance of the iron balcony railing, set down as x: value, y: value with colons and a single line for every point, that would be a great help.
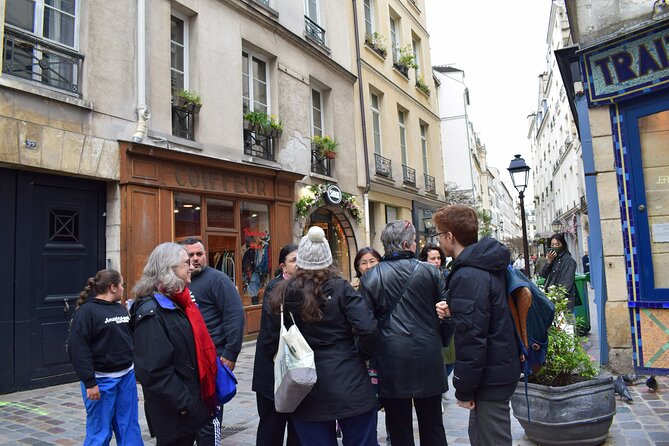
x: 314, y: 31
x: 383, y: 166
x: 29, y: 57
x: 319, y: 163
x: 429, y: 184
x: 408, y: 175
x: 183, y: 122
x: 259, y: 145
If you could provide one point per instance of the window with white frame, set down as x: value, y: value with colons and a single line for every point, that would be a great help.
x: 376, y: 122
x: 255, y: 83
x: 423, y: 146
x: 403, y: 136
x: 316, y: 113
x: 311, y: 10
x: 394, y: 39
x: 178, y: 52
x: 415, y: 46
x: 35, y: 33
x: 369, y: 16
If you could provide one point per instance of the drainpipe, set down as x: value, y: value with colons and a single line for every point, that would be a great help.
x: 595, y: 248
x: 365, y: 148
x: 143, y: 113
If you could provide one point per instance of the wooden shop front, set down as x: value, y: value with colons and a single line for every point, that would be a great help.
x: 242, y: 212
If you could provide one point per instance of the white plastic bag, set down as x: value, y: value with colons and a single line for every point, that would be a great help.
x: 294, y: 368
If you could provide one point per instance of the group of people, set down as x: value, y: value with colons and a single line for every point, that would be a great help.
x: 406, y: 319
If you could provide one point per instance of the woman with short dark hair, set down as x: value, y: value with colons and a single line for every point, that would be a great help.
x: 560, y: 268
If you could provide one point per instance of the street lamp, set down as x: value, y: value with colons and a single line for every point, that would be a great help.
x: 520, y: 174
x: 556, y: 226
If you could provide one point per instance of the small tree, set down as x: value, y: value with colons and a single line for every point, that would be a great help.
x: 485, y: 230
x: 454, y: 195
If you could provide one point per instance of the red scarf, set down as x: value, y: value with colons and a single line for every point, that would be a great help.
x: 204, y: 346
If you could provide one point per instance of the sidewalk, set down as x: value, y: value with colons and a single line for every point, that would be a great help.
x: 55, y: 415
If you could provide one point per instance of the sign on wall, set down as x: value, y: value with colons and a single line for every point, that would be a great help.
x: 627, y: 66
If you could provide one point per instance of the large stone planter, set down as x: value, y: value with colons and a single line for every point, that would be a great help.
x: 579, y: 414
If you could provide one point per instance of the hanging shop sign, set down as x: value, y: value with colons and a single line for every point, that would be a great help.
x: 333, y: 194
x: 627, y: 66
x: 319, y: 194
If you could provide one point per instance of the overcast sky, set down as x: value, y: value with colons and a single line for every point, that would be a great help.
x: 501, y: 47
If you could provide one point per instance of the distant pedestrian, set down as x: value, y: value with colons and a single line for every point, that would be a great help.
x: 486, y: 366
x: 272, y: 425
x: 586, y: 263
x: 560, y: 268
x: 365, y: 259
x: 100, y: 348
x: 175, y: 358
x: 409, y: 359
x: 540, y: 264
x: 338, y: 324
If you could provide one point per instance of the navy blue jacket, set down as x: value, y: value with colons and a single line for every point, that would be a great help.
x: 487, y: 365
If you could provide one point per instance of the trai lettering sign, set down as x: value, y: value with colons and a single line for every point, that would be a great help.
x: 627, y: 67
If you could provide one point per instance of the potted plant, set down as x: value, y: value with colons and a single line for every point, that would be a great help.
x: 376, y: 42
x: 325, y: 145
x: 568, y: 403
x: 422, y: 86
x: 262, y: 123
x: 187, y: 100
x: 405, y: 60
x: 275, y: 126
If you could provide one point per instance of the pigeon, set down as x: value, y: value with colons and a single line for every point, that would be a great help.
x: 651, y: 382
x: 631, y: 379
x: 620, y: 388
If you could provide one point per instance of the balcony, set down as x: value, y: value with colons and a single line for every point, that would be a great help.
x: 183, y: 119
x: 408, y: 175
x: 383, y: 166
x: 314, y: 31
x: 47, y: 63
x: 258, y: 143
x: 320, y: 164
x: 429, y: 185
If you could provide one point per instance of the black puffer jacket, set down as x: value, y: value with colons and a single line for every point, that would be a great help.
x: 409, y: 358
x: 166, y: 367
x: 266, y: 346
x: 562, y: 271
x: 487, y: 365
x: 343, y: 388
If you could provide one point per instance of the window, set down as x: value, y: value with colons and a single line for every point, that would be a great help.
x: 376, y: 123
x: 394, y: 39
x: 316, y: 113
x: 414, y: 46
x: 369, y: 16
x: 179, y: 53
x: 423, y: 146
x: 311, y: 10
x: 312, y: 22
x: 255, y: 83
x: 403, y: 136
x: 54, y: 23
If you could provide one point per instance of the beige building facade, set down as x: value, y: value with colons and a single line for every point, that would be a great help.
x: 400, y: 168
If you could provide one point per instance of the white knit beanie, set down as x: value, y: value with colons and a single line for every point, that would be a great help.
x: 314, y: 250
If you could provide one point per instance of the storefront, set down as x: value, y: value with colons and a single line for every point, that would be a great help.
x: 623, y: 112
x: 236, y: 209
x: 335, y: 211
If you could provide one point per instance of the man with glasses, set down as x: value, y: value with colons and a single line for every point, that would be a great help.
x: 410, y: 364
x: 486, y: 368
x: 223, y: 313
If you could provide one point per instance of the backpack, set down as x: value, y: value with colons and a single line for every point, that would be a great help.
x: 532, y: 314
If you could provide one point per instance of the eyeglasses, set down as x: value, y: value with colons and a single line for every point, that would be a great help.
x: 407, y: 224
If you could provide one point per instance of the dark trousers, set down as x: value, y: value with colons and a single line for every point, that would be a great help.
x: 210, y: 433
x: 399, y: 420
x: 272, y: 425
x: 359, y: 430
x: 183, y: 441
x: 490, y: 424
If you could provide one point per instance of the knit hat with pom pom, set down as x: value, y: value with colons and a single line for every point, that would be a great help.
x: 314, y: 250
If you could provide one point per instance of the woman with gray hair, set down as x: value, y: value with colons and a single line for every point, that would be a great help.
x: 409, y: 358
x: 174, y: 355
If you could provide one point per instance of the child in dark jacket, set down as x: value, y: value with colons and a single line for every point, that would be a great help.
x: 100, y: 347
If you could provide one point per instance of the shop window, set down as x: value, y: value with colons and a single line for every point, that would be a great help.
x: 187, y: 215
x: 220, y: 214
x: 256, y: 264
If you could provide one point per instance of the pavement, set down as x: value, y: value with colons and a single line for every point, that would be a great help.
x: 55, y: 415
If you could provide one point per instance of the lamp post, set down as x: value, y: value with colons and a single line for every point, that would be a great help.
x: 520, y: 173
x: 556, y: 226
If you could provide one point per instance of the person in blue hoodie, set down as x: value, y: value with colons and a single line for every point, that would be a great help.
x: 487, y: 367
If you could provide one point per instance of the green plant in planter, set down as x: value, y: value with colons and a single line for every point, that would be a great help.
x: 377, y: 41
x: 189, y: 97
x: 326, y: 145
x: 258, y: 121
x: 405, y: 57
x: 422, y: 86
x: 566, y: 360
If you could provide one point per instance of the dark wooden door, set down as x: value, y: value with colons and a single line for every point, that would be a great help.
x: 60, y: 242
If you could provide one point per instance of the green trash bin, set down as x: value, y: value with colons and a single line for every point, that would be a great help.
x: 581, y: 304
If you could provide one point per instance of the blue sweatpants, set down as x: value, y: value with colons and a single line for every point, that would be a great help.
x: 117, y: 410
x: 359, y: 430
